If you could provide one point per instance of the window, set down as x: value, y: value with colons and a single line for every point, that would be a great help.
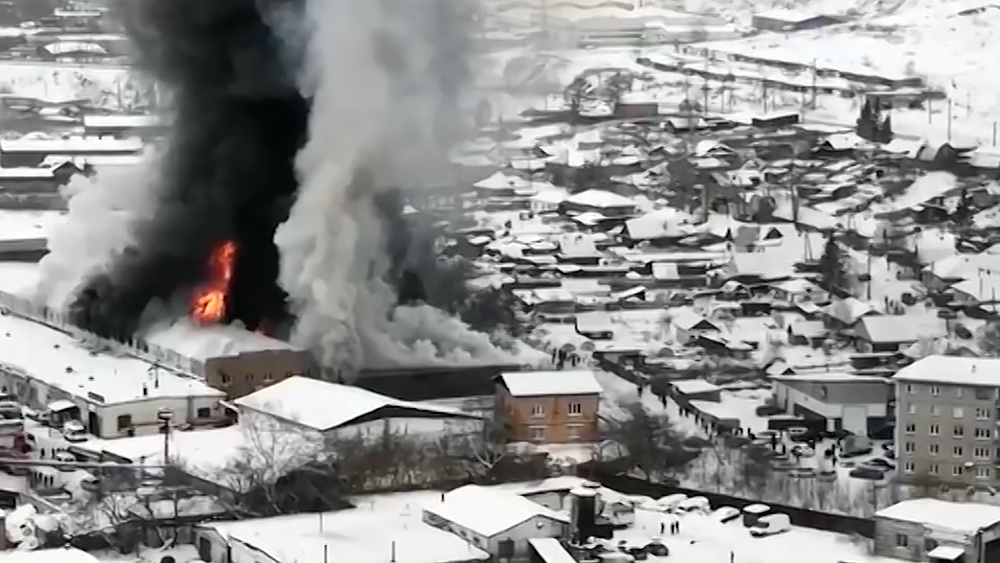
x: 576, y: 408
x: 204, y: 412
x: 268, y: 377
x: 912, y: 408
x: 982, y: 414
x: 933, y: 430
x: 957, y: 412
x: 958, y: 392
x: 538, y: 433
x: 929, y: 544
x: 957, y: 451
x: 908, y: 467
x: 573, y: 431
x: 911, y: 428
x: 935, y: 410
x: 911, y: 447
x: 124, y: 421
x: 956, y: 471
x: 981, y: 453
x: 982, y: 472
x: 910, y: 389
x: 932, y: 469
x: 933, y: 449
x: 225, y: 378
x: 958, y: 431
x: 901, y: 540
x: 982, y: 433
x: 985, y: 393
x: 537, y: 411
x: 935, y: 390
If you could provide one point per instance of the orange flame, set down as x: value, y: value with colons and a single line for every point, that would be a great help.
x: 209, y: 302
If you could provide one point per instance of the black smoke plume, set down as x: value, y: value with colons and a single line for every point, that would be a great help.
x: 238, y: 120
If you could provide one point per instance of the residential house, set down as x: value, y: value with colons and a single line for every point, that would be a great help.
x: 855, y: 403
x: 789, y: 20
x: 548, y: 406
x: 927, y: 529
x: 806, y: 333
x: 688, y: 325
x: 892, y: 333
x: 607, y: 203
x: 496, y: 522
x: 844, y: 313
x: 946, y: 417
x: 696, y: 389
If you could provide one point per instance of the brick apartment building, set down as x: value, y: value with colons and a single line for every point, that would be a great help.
x: 946, y: 420
x: 548, y: 407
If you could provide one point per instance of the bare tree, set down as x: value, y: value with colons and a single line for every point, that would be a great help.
x: 650, y: 443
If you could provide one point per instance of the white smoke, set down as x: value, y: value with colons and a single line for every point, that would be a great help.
x: 102, y: 208
x: 376, y: 71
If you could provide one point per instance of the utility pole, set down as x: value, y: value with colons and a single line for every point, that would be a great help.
x: 812, y: 103
x: 164, y: 416
x: 949, y: 119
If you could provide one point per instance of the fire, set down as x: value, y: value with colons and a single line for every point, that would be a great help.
x: 209, y: 302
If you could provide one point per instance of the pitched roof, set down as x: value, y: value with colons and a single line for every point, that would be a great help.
x: 901, y: 328
x: 544, y: 383
x: 321, y: 405
x: 488, y: 512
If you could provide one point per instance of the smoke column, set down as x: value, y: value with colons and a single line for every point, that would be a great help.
x: 226, y: 174
x: 384, y: 77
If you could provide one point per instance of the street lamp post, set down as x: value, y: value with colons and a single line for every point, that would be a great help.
x: 164, y: 416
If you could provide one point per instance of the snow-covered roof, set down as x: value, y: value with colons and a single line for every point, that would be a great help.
x: 61, y: 361
x: 600, y: 199
x: 321, y: 405
x: 901, y: 328
x: 693, y: 386
x: 23, y: 224
x: 544, y: 383
x: 488, y: 512
x: 212, y: 341
x: 666, y: 222
x: 25, y: 172
x: 966, y: 517
x: 67, y: 555
x: 356, y: 535
x: 500, y: 181
x: 551, y: 551
x: 951, y: 370
x: 121, y: 121
x: 94, y: 145
x: 828, y: 377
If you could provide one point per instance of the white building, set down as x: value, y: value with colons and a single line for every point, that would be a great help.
x: 856, y: 403
x: 333, y: 410
x: 497, y: 522
x: 117, y: 394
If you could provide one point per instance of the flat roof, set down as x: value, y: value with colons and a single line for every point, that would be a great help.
x: 689, y: 386
x: 953, y: 370
x: 122, y: 121
x: 934, y: 513
x: 60, y: 360
x: 212, y: 341
x: 545, y: 383
x: 16, y: 224
x: 95, y: 145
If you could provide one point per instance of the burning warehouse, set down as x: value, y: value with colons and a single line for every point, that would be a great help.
x: 275, y: 204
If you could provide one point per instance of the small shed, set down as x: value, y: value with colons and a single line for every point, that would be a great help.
x: 935, y: 530
x: 697, y: 389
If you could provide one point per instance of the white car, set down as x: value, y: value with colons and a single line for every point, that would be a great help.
x: 726, y: 514
x: 73, y: 431
x: 771, y: 524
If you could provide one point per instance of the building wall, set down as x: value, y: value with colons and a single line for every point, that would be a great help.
x: 788, y: 395
x: 926, y: 441
x: 245, y: 373
x: 919, y: 540
x: 142, y: 412
x: 846, y: 392
x: 548, y: 419
x: 536, y: 527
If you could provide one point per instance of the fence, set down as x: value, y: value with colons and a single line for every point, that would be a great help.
x: 804, y: 517
x: 136, y: 347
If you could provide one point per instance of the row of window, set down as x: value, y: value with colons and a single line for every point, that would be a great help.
x: 957, y: 431
x: 978, y: 452
x: 981, y: 471
x: 981, y: 393
x: 980, y: 413
x: 538, y: 410
x: 538, y: 433
x: 902, y: 540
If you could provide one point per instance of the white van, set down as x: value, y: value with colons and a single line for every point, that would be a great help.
x: 695, y: 504
x: 771, y: 524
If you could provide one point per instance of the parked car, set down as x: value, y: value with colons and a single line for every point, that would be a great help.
x: 694, y: 504
x: 802, y: 434
x: 726, y: 514
x: 771, y: 524
x: 879, y: 463
x: 73, y: 431
x: 854, y: 446
x: 65, y: 457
